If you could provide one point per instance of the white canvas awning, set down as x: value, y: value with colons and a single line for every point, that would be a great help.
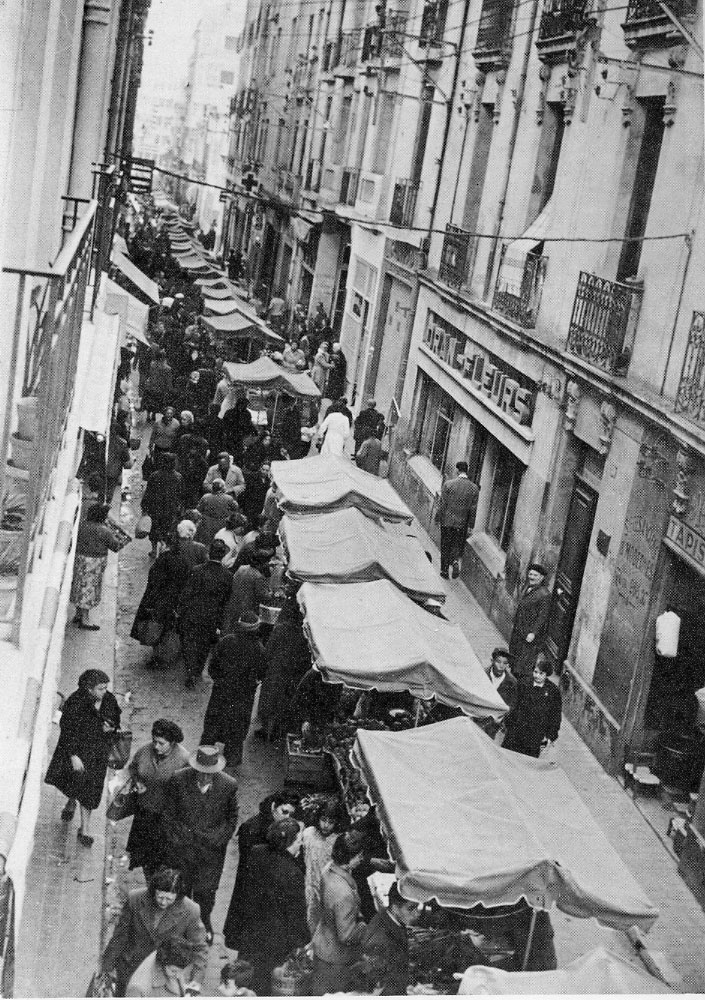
x: 134, y: 315
x: 511, y: 272
x: 99, y: 382
x: 140, y: 280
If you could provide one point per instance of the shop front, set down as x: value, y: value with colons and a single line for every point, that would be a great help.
x: 471, y: 405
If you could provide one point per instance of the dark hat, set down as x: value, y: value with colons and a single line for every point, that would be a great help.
x: 207, y: 760
x: 537, y: 568
x: 248, y: 622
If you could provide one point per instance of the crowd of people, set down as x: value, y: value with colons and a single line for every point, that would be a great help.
x: 211, y: 512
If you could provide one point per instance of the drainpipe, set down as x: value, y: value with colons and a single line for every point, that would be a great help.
x: 512, y: 143
x: 449, y: 115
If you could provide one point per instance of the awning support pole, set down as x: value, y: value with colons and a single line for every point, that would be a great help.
x: 529, y: 940
x: 274, y: 411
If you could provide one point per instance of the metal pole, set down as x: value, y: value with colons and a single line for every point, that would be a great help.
x: 529, y: 940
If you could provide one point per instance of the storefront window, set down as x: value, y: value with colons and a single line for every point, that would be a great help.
x: 436, y: 413
x: 505, y: 489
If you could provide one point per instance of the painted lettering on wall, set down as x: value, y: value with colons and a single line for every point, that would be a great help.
x: 490, y: 379
x: 686, y: 542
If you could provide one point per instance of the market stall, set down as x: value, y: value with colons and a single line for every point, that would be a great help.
x: 371, y: 636
x: 235, y: 334
x: 512, y: 827
x: 600, y: 972
x: 265, y: 382
x: 346, y: 546
x: 323, y: 483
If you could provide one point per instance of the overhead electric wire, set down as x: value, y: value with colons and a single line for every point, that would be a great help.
x: 270, y: 202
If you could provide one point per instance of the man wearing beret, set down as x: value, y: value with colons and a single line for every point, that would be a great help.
x: 529, y: 629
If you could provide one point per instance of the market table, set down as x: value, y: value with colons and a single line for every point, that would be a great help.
x: 346, y: 546
x: 468, y: 822
x: 321, y: 483
x: 371, y: 636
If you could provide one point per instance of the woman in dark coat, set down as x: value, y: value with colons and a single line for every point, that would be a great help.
x: 163, y: 500
x: 274, y: 920
x: 278, y: 806
x: 167, y: 578
x: 236, y: 668
x: 288, y: 658
x: 89, y: 719
x: 150, y: 769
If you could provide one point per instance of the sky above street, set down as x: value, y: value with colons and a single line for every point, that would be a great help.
x: 173, y: 23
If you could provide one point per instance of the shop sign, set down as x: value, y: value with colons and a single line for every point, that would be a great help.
x: 687, y: 543
x: 498, y: 386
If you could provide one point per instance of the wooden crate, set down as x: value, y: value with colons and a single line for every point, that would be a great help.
x: 312, y: 769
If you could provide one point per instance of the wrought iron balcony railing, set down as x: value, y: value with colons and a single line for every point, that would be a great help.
x: 403, y: 207
x: 349, y: 182
x: 454, y: 265
x: 646, y: 23
x: 371, y: 43
x: 492, y: 46
x: 48, y: 317
x: 520, y: 302
x: 690, y: 398
x: 408, y: 256
x: 350, y: 48
x: 433, y: 22
x: 603, y: 324
x: 394, y: 34
x: 561, y: 20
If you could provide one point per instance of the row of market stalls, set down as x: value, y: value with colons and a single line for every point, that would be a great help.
x: 479, y: 835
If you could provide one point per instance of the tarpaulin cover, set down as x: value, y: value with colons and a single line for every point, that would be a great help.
x: 120, y: 244
x: 99, y: 384
x: 370, y: 635
x: 220, y: 307
x: 599, y: 972
x: 140, y: 280
x: 469, y: 822
x: 345, y: 546
x: 191, y: 262
x: 219, y: 282
x: 134, y: 315
x: 234, y: 323
x: 215, y: 293
x: 324, y: 483
x: 267, y: 374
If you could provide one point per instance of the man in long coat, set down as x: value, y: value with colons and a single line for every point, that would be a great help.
x: 200, y: 610
x: 530, y: 621
x: 456, y: 516
x: 200, y: 816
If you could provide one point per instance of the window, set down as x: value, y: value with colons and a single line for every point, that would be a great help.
x: 549, y: 151
x: 436, y: 413
x: 422, y: 128
x: 506, y: 478
x: 652, y: 129
x: 383, y: 131
x: 230, y: 42
x: 478, y: 166
x: 227, y: 78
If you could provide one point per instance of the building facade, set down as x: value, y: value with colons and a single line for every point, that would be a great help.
x: 500, y: 206
x: 71, y: 71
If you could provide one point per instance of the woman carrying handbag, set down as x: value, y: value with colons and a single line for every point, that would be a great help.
x: 89, y: 721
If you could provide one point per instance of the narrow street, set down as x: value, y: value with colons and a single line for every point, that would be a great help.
x: 64, y: 889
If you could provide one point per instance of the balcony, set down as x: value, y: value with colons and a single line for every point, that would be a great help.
x: 603, y: 324
x: 313, y: 176
x: 403, y: 207
x: 331, y: 56
x: 349, y: 49
x: 520, y: 301
x: 47, y: 322
x: 454, y: 265
x: 493, y: 44
x: 690, y: 399
x: 648, y: 26
x: 395, y: 34
x: 371, y: 43
x: 561, y: 20
x: 406, y: 255
x: 349, y: 181
x: 433, y: 23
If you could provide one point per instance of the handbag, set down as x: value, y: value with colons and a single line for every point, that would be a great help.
x: 119, y: 533
x: 149, y: 631
x: 120, y: 750
x: 123, y: 802
x: 168, y: 648
x: 144, y: 526
x: 102, y: 984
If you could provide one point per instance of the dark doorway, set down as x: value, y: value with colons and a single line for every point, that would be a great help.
x: 569, y: 574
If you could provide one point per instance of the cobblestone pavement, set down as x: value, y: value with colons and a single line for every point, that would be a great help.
x: 60, y: 936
